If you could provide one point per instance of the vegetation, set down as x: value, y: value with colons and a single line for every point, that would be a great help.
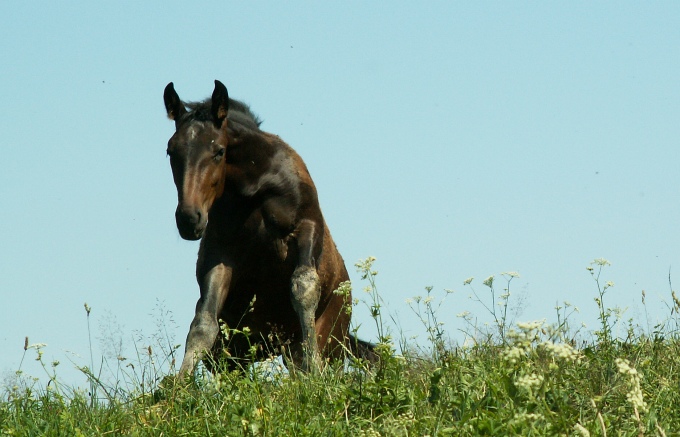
x: 510, y: 379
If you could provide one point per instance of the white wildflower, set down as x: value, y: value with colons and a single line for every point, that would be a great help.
x: 37, y: 346
x: 531, y: 326
x: 529, y: 382
x: 522, y: 418
x: 581, y: 430
x: 344, y: 289
x: 513, y: 354
x: 601, y: 262
x: 562, y: 351
x: 634, y: 396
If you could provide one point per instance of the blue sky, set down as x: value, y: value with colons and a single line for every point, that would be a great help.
x: 449, y: 140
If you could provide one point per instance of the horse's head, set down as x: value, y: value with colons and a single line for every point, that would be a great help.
x: 197, y: 153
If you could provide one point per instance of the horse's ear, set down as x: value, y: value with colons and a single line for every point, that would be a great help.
x: 220, y: 103
x: 173, y: 104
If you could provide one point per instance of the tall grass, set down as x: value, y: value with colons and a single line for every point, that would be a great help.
x: 524, y: 378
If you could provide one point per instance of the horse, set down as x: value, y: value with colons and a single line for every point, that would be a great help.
x: 267, y: 265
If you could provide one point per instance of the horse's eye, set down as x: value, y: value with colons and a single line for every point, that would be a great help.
x: 219, y: 154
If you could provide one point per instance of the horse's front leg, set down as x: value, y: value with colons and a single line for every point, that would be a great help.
x: 214, y: 284
x: 305, y: 295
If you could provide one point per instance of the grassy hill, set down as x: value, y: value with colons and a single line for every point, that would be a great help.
x: 527, y: 379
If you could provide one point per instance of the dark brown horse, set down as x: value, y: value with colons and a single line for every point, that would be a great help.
x: 267, y: 261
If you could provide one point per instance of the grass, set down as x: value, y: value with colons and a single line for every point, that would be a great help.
x: 529, y: 378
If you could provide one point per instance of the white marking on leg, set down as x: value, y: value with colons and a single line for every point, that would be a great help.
x: 205, y: 328
x: 305, y: 296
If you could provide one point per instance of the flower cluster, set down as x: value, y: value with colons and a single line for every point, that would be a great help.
x: 562, y: 351
x: 369, y: 433
x: 522, y: 340
x: 524, y: 418
x: 529, y: 335
x: 529, y: 383
x: 634, y: 396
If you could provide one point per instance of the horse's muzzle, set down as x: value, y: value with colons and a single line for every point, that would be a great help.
x: 191, y: 222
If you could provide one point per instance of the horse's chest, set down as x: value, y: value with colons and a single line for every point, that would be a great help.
x: 260, y: 295
x: 272, y: 230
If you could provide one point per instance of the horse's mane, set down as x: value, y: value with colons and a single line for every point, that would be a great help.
x: 239, y: 113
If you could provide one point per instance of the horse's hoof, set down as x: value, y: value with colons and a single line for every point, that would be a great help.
x: 169, y: 385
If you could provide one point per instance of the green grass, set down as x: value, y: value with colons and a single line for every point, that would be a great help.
x: 510, y: 379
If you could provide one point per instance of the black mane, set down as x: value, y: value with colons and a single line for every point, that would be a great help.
x: 239, y: 113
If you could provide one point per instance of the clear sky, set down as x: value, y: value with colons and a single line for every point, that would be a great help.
x: 447, y: 139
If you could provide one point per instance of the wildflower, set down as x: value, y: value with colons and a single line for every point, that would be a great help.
x: 463, y: 315
x: 529, y: 382
x: 521, y: 418
x: 511, y: 274
x: 427, y: 300
x: 489, y: 281
x: 530, y: 326
x: 344, y: 289
x: 601, y: 262
x: 513, y: 354
x: 37, y: 346
x: 634, y: 396
x: 562, y: 351
x: 409, y: 301
x: 87, y: 308
x: 406, y: 417
x: 364, y: 267
x: 581, y: 430
x: 468, y: 280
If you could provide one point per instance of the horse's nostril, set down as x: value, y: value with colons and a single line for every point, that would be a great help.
x: 190, y: 216
x: 190, y: 222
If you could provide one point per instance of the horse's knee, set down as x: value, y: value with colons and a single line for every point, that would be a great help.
x: 305, y: 289
x: 204, y: 328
